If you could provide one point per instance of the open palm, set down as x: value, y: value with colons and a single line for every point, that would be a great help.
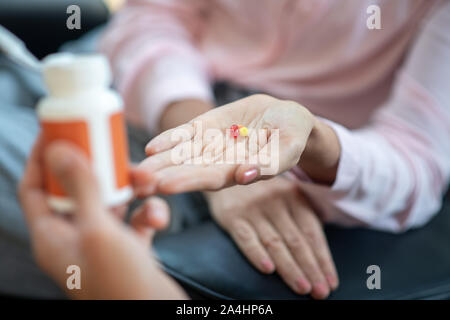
x: 203, y: 154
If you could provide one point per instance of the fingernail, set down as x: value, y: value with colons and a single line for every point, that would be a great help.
x: 320, y: 290
x: 250, y: 175
x: 303, y: 285
x: 267, y: 265
x: 332, y: 281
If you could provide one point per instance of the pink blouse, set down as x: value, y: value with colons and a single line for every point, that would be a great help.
x: 385, y: 92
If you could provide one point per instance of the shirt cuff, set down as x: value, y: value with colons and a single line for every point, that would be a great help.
x: 350, y: 160
x: 168, y: 80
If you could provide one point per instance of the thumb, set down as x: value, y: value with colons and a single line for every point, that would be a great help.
x: 72, y: 170
x: 152, y: 215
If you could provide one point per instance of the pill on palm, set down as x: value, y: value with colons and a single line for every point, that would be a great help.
x: 234, y: 131
x: 243, y: 131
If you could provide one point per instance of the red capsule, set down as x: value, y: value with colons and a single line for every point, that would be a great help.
x: 234, y: 131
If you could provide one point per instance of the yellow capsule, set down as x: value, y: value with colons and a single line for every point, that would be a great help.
x: 243, y: 131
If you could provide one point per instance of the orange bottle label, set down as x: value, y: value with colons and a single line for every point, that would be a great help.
x: 75, y: 132
x: 120, y: 149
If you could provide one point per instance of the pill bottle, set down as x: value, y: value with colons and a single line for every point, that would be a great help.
x: 81, y: 108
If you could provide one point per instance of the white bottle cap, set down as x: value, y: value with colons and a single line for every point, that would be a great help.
x: 66, y: 73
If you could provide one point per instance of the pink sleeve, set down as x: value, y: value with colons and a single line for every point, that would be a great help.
x: 152, y: 51
x: 393, y: 173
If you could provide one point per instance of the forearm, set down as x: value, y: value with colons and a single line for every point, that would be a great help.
x: 180, y: 112
x: 151, y: 284
x: 147, y: 79
x: 393, y: 172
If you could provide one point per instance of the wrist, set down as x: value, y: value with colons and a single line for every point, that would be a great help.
x: 320, y: 159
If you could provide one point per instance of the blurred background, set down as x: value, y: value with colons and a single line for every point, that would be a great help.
x: 38, y: 22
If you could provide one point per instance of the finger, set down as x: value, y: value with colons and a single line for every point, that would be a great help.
x: 246, y: 174
x: 120, y: 211
x: 311, y: 227
x: 72, y: 169
x: 153, y: 214
x: 268, y: 162
x: 142, y: 182
x: 172, y: 157
x: 285, y: 264
x: 33, y: 175
x: 193, y: 178
x: 301, y: 251
x: 198, y: 152
x: 143, y: 176
x: 191, y: 130
x: 30, y: 191
x: 268, y: 158
x: 170, y: 138
x: 247, y: 240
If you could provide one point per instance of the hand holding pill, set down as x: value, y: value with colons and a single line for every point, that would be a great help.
x: 266, y: 136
